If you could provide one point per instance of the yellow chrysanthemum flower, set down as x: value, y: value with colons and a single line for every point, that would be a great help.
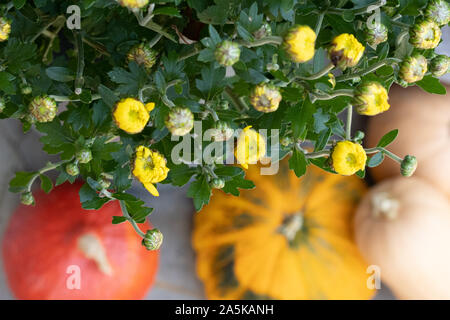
x: 371, y: 98
x: 131, y: 115
x: 133, y: 3
x: 251, y: 147
x: 345, y: 51
x: 348, y: 158
x: 265, y: 98
x: 299, y: 43
x: 425, y: 35
x: 5, y: 29
x: 149, y: 168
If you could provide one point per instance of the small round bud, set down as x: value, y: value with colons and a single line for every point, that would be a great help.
x: 43, y: 109
x: 408, y: 166
x: 133, y: 3
x: 180, y: 121
x: 153, y: 239
x: 265, y: 98
x: 104, y: 183
x: 272, y: 66
x: 27, y: 198
x: 84, y: 156
x: 217, y: 183
x: 425, y: 34
x: 26, y: 89
x: 413, y: 68
x: 376, y: 33
x: 264, y: 31
x: 438, y: 11
x: 359, y: 135
x: 143, y: 55
x: 439, y: 65
x: 72, y: 169
x: 371, y: 98
x: 286, y: 141
x: 222, y: 131
x: 224, y: 105
x: 227, y: 53
x: 5, y: 29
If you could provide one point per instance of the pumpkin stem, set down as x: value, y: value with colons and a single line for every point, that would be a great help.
x: 384, y: 206
x: 93, y: 249
x: 292, y: 225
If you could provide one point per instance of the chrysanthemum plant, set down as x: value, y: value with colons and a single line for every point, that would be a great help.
x: 109, y: 83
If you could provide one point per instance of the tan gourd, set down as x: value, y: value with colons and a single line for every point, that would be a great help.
x: 403, y: 227
x: 423, y: 121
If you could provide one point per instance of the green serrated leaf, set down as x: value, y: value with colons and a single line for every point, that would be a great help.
x: 298, y: 162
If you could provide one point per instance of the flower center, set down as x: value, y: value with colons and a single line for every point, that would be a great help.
x: 351, y: 159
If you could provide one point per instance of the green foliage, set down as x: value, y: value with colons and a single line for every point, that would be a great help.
x: 43, y: 53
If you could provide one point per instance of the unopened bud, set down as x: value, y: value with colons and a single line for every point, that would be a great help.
x: 43, y: 109
x: 180, y: 121
x: 217, y: 183
x: 439, y: 65
x: 72, y: 169
x: 153, y: 239
x: 408, y: 166
x: 227, y: 53
x: 84, y: 156
x: 27, y: 198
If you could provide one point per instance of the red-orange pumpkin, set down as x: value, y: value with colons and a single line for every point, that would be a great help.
x: 44, y: 246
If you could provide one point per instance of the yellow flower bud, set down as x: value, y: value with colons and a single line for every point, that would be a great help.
x: 413, y: 68
x: 299, y: 43
x: 265, y: 98
x: 149, y: 168
x: 251, y: 147
x: 371, y: 98
x: 133, y: 3
x: 425, y: 35
x: 345, y: 51
x: 438, y: 11
x: 131, y: 115
x: 143, y: 55
x: 348, y: 157
x: 5, y: 29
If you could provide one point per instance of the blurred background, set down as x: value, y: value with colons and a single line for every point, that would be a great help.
x: 176, y: 277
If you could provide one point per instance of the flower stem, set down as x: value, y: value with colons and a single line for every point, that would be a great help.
x: 386, y: 152
x: 49, y: 167
x: 348, y: 131
x: 335, y: 94
x: 275, y: 40
x: 236, y: 101
x: 79, y: 47
x: 68, y: 99
x: 130, y: 219
x: 319, y: 23
x: 319, y: 74
x: 371, y: 69
x: 400, y: 24
x: 149, y: 24
x: 319, y: 154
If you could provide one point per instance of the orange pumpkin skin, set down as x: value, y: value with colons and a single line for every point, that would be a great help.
x: 42, y: 242
x: 243, y: 252
x: 423, y: 121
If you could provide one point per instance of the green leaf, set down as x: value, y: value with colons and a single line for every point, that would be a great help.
x: 388, y: 138
x: 298, y: 162
x: 6, y: 82
x: 118, y: 219
x: 200, y: 191
x: 167, y: 11
x: 20, y: 182
x: 60, y: 74
x: 431, y: 85
x: 122, y: 179
x: 107, y: 95
x: 375, y: 160
x: 300, y: 117
x: 237, y: 182
x: 18, y: 4
x: 181, y: 174
x: 46, y: 183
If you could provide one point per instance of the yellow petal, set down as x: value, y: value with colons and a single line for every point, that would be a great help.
x: 150, y: 106
x: 152, y: 189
